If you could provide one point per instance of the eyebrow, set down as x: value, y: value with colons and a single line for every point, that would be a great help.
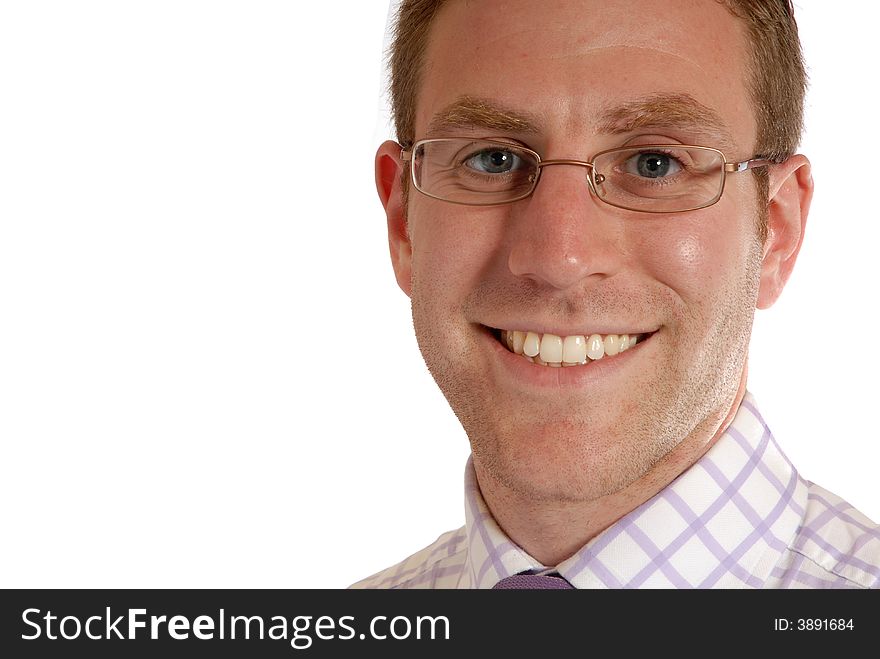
x: 681, y: 111
x: 475, y: 112
x: 667, y: 110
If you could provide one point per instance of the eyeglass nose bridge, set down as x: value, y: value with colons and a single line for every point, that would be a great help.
x: 593, y: 178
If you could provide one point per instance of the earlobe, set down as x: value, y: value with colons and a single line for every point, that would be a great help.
x: 790, y: 192
x: 389, y: 175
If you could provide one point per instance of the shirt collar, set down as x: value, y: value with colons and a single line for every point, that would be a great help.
x: 724, y: 522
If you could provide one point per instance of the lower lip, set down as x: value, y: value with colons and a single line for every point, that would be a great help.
x: 592, y: 373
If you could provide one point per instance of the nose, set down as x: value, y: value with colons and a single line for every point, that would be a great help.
x: 562, y: 234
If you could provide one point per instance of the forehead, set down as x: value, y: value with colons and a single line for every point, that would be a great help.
x: 569, y: 64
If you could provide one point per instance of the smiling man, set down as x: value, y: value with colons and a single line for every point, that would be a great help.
x: 588, y: 202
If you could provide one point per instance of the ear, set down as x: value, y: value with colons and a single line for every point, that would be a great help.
x: 790, y: 192
x: 389, y: 174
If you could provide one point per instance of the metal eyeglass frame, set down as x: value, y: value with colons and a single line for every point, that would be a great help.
x: 406, y: 155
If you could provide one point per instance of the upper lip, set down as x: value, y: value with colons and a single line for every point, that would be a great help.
x: 584, y: 330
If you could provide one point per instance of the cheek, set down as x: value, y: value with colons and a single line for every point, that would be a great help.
x: 683, y: 258
x: 690, y: 253
x: 451, y: 251
x: 696, y: 257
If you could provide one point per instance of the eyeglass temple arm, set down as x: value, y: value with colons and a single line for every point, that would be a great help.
x: 747, y: 164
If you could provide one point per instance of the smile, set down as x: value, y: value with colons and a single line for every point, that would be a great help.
x: 575, y: 350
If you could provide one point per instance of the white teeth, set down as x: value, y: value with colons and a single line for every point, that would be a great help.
x: 532, y: 345
x: 595, y: 347
x: 551, y: 348
x: 518, y: 339
x: 574, y: 349
x: 612, y: 345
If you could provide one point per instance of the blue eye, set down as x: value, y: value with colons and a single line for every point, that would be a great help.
x: 494, y: 161
x: 652, y: 165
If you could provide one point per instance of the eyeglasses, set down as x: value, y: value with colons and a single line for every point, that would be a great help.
x: 649, y: 178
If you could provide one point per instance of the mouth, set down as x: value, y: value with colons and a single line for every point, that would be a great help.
x: 566, y: 351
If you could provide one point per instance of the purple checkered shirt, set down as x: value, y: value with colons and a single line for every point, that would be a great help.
x: 740, y: 517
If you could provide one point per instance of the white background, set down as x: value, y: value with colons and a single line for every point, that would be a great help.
x: 208, y: 376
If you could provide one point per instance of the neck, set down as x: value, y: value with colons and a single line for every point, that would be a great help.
x: 552, y: 531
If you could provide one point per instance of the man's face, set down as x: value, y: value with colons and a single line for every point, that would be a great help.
x: 562, y: 262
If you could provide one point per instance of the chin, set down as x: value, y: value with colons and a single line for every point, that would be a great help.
x: 565, y: 461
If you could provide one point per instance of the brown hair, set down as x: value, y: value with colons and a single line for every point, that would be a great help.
x: 777, y: 74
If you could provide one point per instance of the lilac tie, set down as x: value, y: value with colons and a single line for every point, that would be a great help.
x: 533, y: 582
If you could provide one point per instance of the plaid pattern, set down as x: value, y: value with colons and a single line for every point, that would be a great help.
x: 740, y: 517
